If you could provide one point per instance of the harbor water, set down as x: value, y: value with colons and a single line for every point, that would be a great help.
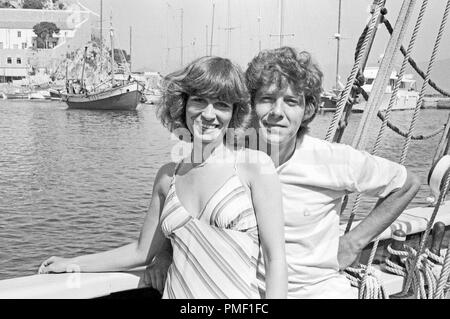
x: 75, y: 181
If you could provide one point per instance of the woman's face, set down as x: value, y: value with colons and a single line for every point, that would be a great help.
x: 207, y: 119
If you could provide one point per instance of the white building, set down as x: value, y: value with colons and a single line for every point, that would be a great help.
x: 18, y: 51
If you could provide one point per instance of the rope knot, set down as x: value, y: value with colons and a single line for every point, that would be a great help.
x: 435, y: 258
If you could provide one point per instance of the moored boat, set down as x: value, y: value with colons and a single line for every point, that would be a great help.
x: 328, y: 101
x: 407, y: 95
x: 54, y: 94
x: 120, y: 97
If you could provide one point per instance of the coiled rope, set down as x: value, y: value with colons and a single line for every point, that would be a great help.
x: 364, y: 277
x: 423, y: 279
x: 443, y: 283
x: 416, y: 260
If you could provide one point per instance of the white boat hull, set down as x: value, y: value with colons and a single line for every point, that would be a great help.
x: 405, y: 101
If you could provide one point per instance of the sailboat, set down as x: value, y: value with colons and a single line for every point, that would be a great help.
x: 114, y: 94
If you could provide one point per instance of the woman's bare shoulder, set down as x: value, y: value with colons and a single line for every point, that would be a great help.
x: 254, y: 162
x: 164, y: 177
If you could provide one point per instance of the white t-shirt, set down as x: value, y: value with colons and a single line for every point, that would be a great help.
x: 314, y: 180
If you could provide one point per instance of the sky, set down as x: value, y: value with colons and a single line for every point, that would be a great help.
x: 240, y: 25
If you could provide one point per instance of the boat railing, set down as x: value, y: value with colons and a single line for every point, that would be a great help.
x: 71, y: 285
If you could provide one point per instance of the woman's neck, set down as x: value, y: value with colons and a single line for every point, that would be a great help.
x: 201, y: 152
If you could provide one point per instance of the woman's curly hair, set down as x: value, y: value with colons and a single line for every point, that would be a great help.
x: 283, y: 65
x: 208, y: 76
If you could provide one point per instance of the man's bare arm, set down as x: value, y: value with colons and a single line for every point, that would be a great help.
x: 384, y: 214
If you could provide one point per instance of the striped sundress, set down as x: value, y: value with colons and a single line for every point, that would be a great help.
x: 214, y: 253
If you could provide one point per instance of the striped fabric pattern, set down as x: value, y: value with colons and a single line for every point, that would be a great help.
x: 214, y: 253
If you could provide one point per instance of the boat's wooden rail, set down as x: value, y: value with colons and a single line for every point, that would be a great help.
x: 71, y: 285
x: 413, y: 220
x: 93, y: 285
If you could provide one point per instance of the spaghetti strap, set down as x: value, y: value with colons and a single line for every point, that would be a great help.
x: 236, y: 156
x: 175, y: 171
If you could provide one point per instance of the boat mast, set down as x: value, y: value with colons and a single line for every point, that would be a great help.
x: 101, y: 37
x: 228, y: 28
x: 212, y: 29
x: 338, y: 40
x: 282, y: 35
x: 259, y: 27
x: 131, y: 37
x: 181, y: 37
x: 67, y: 75
x: 281, y: 22
x: 206, y: 46
x: 111, y: 34
x: 82, y: 70
x: 167, y: 36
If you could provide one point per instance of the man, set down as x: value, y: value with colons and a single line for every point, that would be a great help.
x: 285, y: 87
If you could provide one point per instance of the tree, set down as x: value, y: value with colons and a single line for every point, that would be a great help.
x: 44, y: 31
x: 33, y: 4
x: 119, y: 55
x: 6, y: 4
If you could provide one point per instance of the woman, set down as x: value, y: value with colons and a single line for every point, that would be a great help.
x: 212, y: 204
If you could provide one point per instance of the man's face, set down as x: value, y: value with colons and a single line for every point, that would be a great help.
x: 280, y: 112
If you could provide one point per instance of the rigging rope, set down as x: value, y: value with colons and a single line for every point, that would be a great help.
x: 389, y: 108
x: 417, y: 260
x: 443, y: 279
x: 358, y: 142
x: 419, y: 271
x: 423, y: 279
x: 364, y: 278
x: 351, y: 79
x: 402, y: 133
x: 388, y: 111
x: 413, y: 63
x: 427, y: 77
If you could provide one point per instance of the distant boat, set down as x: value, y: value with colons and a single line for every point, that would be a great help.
x: 124, y: 94
x: 120, y: 97
x: 26, y: 95
x: 328, y: 100
x: 407, y: 95
x: 54, y: 94
x: 152, y: 93
x: 16, y: 96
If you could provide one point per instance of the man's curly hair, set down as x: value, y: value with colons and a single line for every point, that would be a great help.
x: 208, y: 76
x: 284, y: 66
